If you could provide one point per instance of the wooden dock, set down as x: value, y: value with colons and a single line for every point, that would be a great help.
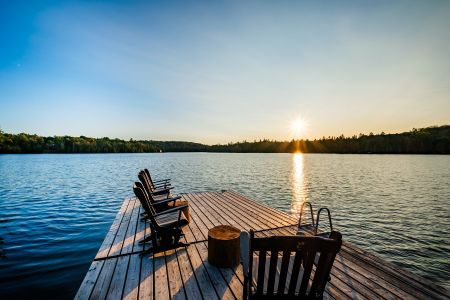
x: 119, y: 272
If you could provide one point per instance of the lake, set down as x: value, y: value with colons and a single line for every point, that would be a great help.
x: 55, y: 209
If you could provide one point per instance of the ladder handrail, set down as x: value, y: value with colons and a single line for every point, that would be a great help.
x: 318, y: 217
x: 301, y: 213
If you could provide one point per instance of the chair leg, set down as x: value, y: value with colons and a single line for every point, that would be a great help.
x: 147, y: 239
x: 157, y: 249
x: 181, y: 244
x: 148, y: 251
x: 164, y: 240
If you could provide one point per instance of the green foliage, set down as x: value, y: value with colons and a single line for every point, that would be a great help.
x: 26, y: 143
x: 431, y: 140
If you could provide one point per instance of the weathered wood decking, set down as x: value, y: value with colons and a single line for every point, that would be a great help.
x: 119, y: 272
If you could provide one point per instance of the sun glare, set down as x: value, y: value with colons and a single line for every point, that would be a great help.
x: 298, y: 126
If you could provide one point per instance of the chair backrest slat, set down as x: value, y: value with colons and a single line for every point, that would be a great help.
x: 283, y: 271
x: 261, y: 272
x: 272, y: 271
x: 296, y: 265
x: 140, y: 194
x: 308, y: 262
x: 142, y: 197
x: 147, y: 173
x: 145, y: 181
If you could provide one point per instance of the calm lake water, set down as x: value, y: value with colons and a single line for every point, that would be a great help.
x: 56, y: 209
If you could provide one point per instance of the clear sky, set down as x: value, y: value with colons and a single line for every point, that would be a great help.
x: 220, y: 71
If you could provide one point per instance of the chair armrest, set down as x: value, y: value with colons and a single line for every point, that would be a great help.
x: 161, y: 180
x: 165, y: 201
x: 171, y: 210
x: 162, y: 185
x: 162, y: 191
x: 245, y: 252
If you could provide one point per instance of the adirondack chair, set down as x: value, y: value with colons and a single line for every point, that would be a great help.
x: 158, y: 193
x: 267, y: 275
x: 158, y: 204
x: 166, y: 226
x: 150, y: 204
x: 157, y: 183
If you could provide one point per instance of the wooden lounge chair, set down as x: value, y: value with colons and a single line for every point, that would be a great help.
x: 160, y: 193
x: 157, y: 204
x: 166, y: 226
x: 301, y: 272
x: 157, y: 184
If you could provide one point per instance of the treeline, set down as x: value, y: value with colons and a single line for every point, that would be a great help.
x: 31, y: 143
x: 431, y: 140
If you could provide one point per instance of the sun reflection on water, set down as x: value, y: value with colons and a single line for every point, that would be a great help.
x: 298, y: 183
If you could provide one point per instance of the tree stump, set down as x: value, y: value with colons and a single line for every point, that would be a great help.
x: 224, y: 246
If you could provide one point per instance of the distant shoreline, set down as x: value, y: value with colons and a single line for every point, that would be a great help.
x: 319, y: 153
x: 430, y: 140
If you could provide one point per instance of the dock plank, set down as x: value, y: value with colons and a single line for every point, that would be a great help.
x: 102, y: 285
x: 140, y: 232
x: 107, y: 242
x: 118, y: 242
x: 118, y: 279
x: 85, y: 290
x: 217, y: 275
x: 131, y: 287
x: 188, y: 278
x: 229, y: 275
x: 204, y: 281
x: 146, y: 279
x: 219, y: 283
x: 176, y: 288
x: 130, y: 235
x: 161, y: 283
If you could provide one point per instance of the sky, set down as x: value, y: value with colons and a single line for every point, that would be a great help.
x: 223, y: 71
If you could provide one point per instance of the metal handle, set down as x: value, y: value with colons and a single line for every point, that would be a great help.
x: 318, y: 217
x: 301, y: 213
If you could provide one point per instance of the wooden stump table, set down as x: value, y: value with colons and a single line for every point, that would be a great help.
x: 224, y: 246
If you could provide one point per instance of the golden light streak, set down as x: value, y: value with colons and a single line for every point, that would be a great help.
x: 298, y: 182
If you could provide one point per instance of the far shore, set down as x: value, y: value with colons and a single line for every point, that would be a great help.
x: 429, y: 140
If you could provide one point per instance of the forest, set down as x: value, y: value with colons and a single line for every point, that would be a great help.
x: 430, y: 140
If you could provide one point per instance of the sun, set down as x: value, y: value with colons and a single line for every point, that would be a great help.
x: 298, y: 125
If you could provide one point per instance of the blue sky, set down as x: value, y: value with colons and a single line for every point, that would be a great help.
x: 220, y: 71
